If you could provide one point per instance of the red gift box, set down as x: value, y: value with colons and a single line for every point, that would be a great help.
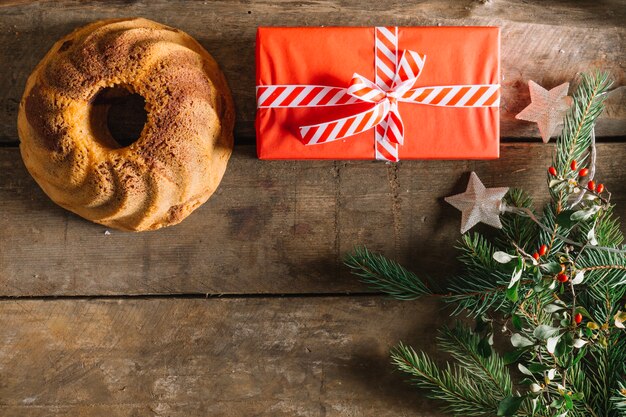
x: 378, y: 93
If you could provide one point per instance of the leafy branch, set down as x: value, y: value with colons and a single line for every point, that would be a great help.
x: 555, y: 282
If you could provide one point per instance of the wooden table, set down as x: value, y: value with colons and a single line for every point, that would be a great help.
x: 245, y: 309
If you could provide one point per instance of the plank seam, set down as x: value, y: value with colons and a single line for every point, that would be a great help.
x: 190, y: 296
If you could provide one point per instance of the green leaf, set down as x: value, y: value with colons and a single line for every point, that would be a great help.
x: 582, y: 310
x: 513, y: 356
x: 554, y: 182
x: 568, y: 402
x: 503, y: 257
x: 515, y: 277
x: 484, y: 348
x: 516, y: 321
x: 538, y: 367
x: 544, y: 332
x: 564, y: 218
x: 524, y: 369
x: 556, y: 403
x: 578, y: 278
x: 509, y: 405
x: 564, y: 345
x: 553, y: 308
x: 551, y: 267
x: 581, y: 354
x: 586, y: 214
x: 518, y: 340
x: 591, y: 236
x: 512, y: 293
x: 552, y: 342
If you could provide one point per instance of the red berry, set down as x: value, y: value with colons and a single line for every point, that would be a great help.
x: 600, y: 188
x: 583, y: 172
x: 536, y: 256
x: 591, y: 185
x: 543, y: 249
x: 562, y: 278
x: 578, y: 318
x: 552, y: 171
x: 573, y: 165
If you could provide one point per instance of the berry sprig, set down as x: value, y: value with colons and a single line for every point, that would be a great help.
x: 543, y: 249
x: 574, y: 182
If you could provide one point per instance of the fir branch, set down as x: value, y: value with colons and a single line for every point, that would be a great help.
x: 555, y: 234
x: 608, y: 230
x: 603, y: 268
x: 462, y: 393
x: 551, y: 232
x: 382, y: 274
x: 483, y: 285
x: 604, y: 368
x: 580, y: 383
x: 575, y: 139
x: 476, y: 296
x: 464, y: 345
x: 477, y: 253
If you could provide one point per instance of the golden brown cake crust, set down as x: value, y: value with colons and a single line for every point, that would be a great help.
x: 182, y: 152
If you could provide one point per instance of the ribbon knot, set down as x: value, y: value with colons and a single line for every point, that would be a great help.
x: 385, y: 111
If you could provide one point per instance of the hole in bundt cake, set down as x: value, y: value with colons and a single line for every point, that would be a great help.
x: 120, y: 112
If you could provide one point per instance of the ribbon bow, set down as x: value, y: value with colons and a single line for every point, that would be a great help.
x: 385, y: 112
x: 395, y: 82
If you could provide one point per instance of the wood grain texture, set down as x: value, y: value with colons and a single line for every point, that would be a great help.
x: 548, y: 43
x: 272, y: 227
x: 325, y: 357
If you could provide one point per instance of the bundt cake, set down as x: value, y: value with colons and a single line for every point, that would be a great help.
x: 181, y: 154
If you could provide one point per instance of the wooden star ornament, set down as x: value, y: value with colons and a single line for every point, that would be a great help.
x: 479, y: 204
x: 547, y: 108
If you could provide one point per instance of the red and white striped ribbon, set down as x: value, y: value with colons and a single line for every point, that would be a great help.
x: 386, y: 64
x: 272, y: 96
x: 394, y: 83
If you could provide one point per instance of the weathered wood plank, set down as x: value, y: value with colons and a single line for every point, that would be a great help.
x: 216, y: 357
x: 549, y: 43
x: 272, y: 227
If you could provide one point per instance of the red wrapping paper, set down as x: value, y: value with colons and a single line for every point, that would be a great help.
x: 330, y: 57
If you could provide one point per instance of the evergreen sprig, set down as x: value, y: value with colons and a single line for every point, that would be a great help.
x: 562, y: 309
x: 385, y: 275
x: 474, y: 355
x: 482, y: 286
x: 454, y: 385
x: 575, y: 141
